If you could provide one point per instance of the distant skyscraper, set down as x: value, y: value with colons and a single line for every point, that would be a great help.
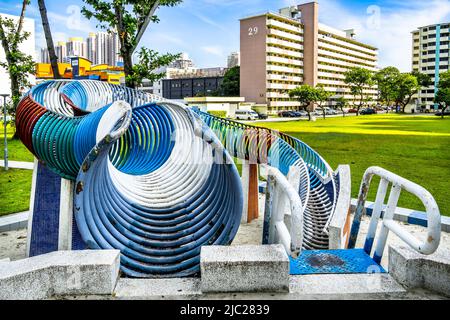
x: 91, y: 47
x: 234, y: 60
x: 99, y: 48
x: 183, y: 63
x: 61, y: 51
x: 76, y: 47
x: 45, y: 57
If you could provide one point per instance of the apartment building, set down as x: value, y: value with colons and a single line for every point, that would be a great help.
x: 99, y: 48
x: 280, y: 51
x: 234, y: 60
x: 431, y: 55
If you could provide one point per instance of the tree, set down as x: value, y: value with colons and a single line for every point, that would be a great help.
x: 423, y: 79
x: 406, y: 86
x: 358, y: 79
x: 18, y: 64
x: 49, y: 39
x: 443, y: 93
x: 386, y: 81
x: 231, y: 82
x: 322, y: 97
x: 306, y: 95
x: 149, y: 60
x: 130, y: 18
x: 341, y: 103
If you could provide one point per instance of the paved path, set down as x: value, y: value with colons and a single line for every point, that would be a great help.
x: 18, y: 165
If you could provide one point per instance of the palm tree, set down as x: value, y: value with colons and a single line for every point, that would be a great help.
x: 49, y: 39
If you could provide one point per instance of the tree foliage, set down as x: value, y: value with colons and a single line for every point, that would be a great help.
x: 406, y: 86
x: 149, y: 61
x: 443, y: 94
x: 307, y: 96
x: 386, y: 83
x: 130, y: 18
x: 359, y: 79
x: 231, y: 82
x: 341, y: 103
x: 18, y: 64
x: 322, y: 97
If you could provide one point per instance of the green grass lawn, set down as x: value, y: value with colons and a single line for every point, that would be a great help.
x: 417, y: 148
x: 16, y: 149
x: 15, y: 190
x: 15, y: 185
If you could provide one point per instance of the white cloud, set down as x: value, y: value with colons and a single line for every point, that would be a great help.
x: 390, y: 30
x: 214, y: 50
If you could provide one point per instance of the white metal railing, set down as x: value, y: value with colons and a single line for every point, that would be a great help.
x: 431, y: 243
x: 282, y: 199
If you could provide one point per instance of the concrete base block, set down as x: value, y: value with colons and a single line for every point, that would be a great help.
x: 415, y: 270
x: 155, y: 289
x: 59, y: 274
x: 244, y: 269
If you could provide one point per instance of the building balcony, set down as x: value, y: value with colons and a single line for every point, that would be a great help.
x: 346, y: 51
x: 284, y: 43
x: 293, y: 54
x: 279, y: 77
x: 295, y: 62
x: 286, y: 26
x: 298, y: 71
x: 287, y: 35
x: 345, y: 57
x: 281, y: 86
x: 352, y: 45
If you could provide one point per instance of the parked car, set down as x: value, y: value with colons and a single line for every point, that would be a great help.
x: 287, y: 114
x: 330, y: 112
x: 368, y: 111
x: 262, y: 116
x: 352, y: 110
x: 303, y: 113
x: 298, y: 114
x: 446, y: 113
x: 246, y: 115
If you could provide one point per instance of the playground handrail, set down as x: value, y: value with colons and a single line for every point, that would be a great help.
x: 280, y: 190
x: 427, y: 247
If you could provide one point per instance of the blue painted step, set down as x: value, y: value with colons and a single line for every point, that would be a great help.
x: 334, y: 262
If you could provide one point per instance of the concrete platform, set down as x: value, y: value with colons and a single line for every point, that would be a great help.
x: 311, y: 287
x: 59, y: 274
x: 414, y: 270
x: 244, y: 269
x: 13, y: 222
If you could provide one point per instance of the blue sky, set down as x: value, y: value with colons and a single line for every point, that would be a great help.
x: 208, y: 30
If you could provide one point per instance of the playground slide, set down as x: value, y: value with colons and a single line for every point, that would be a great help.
x: 156, y: 179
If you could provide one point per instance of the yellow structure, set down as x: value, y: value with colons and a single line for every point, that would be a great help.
x: 82, y: 68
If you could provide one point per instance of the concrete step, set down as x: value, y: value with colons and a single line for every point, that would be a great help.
x: 309, y: 287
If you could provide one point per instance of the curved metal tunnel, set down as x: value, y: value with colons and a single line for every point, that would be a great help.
x: 155, y: 179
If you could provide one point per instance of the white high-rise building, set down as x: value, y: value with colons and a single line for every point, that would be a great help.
x: 99, y: 48
x: 91, y: 47
x: 28, y: 47
x: 76, y: 47
x: 431, y: 56
x: 234, y: 59
x: 184, y: 62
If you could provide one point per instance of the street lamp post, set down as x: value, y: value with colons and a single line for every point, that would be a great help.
x: 5, y: 112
